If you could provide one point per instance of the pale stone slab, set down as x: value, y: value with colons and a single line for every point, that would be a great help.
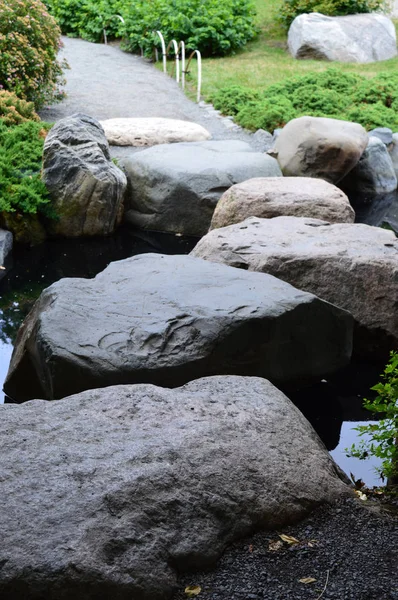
x: 152, y: 131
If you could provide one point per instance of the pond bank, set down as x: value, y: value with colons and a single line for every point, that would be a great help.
x: 350, y: 549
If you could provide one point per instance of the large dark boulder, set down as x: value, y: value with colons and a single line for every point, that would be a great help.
x: 107, y: 494
x: 168, y: 320
x: 354, y: 266
x: 86, y: 187
x: 175, y: 187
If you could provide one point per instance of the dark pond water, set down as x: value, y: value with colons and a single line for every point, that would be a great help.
x: 333, y: 407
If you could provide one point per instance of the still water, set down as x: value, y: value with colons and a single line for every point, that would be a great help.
x: 334, y: 407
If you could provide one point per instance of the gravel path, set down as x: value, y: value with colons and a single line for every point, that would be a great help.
x: 105, y: 82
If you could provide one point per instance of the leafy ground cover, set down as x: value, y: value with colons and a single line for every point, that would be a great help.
x: 265, y: 60
x: 21, y: 149
x: 372, y: 102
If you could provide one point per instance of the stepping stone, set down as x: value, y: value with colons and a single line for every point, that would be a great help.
x: 110, y: 493
x: 268, y: 197
x: 152, y: 131
x: 354, y: 266
x: 175, y: 188
x: 170, y: 319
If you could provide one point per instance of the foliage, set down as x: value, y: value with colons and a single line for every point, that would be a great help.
x: 232, y: 98
x: 267, y: 114
x: 383, y: 435
x: 29, y: 42
x: 86, y: 18
x: 211, y: 26
x: 332, y: 93
x: 14, y: 111
x: 290, y: 9
x: 21, y: 149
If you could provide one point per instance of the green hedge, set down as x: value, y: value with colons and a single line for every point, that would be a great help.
x: 370, y: 102
x: 290, y: 9
x: 212, y: 26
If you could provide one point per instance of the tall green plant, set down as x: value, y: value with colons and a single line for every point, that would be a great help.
x: 382, y: 437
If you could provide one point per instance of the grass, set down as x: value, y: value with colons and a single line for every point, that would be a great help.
x: 266, y: 60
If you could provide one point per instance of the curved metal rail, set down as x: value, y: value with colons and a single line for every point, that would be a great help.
x: 104, y: 30
x: 184, y: 68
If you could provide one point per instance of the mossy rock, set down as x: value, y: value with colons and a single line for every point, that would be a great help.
x: 26, y: 228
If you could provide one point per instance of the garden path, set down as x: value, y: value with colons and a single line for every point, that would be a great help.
x: 105, y: 82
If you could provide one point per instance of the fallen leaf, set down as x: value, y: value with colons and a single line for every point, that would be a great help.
x: 251, y: 548
x: 192, y: 590
x: 307, y: 580
x: 289, y: 539
x: 312, y: 543
x: 275, y: 545
x: 361, y: 495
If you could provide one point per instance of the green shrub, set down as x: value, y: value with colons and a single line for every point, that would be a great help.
x: 382, y: 436
x: 290, y: 9
x: 230, y: 100
x: 211, y: 26
x: 29, y: 42
x: 86, y: 18
x: 14, y: 111
x: 370, y: 102
x: 21, y: 149
x: 267, y: 114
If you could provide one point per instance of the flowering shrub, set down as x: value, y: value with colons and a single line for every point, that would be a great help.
x: 14, y: 111
x: 29, y: 42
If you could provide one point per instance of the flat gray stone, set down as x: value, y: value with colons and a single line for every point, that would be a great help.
x: 170, y: 319
x: 108, y: 493
x: 152, y: 131
x: 354, y: 266
x: 175, y: 188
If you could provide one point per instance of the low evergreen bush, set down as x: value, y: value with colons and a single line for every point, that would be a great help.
x: 29, y: 42
x: 211, y: 26
x: 290, y: 9
x: 370, y: 102
x: 21, y: 188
